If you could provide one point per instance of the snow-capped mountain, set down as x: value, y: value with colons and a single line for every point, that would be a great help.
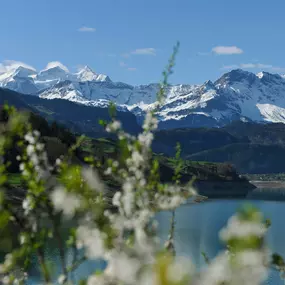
x: 28, y: 81
x: 87, y: 74
x: 19, y: 80
x: 237, y: 95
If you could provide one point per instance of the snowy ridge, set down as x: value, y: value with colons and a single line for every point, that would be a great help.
x: 237, y: 95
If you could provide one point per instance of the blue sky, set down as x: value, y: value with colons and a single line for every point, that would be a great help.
x: 131, y: 40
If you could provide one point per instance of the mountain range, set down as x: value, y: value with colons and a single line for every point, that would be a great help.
x: 237, y: 95
x: 249, y: 146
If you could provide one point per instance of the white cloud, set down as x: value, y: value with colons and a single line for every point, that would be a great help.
x: 144, y: 51
x: 125, y: 55
x: 10, y: 65
x: 122, y: 64
x: 278, y: 69
x: 254, y: 66
x: 86, y: 29
x: 203, y: 53
x: 227, y: 50
x: 233, y: 66
x: 56, y: 64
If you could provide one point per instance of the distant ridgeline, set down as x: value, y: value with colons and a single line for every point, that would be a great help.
x: 77, y: 117
x: 250, y: 147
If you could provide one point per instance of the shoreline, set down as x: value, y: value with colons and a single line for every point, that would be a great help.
x: 268, y: 184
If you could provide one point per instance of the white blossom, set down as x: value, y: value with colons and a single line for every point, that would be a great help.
x: 169, y: 202
x: 128, y: 202
x: 23, y: 239
x: 66, y: 202
x: 98, y: 279
x: 27, y: 204
x: 40, y: 146
x: 150, y: 122
x: 146, y: 139
x: 108, y: 171
x: 30, y: 138
x: 6, y: 280
x: 22, y: 166
x: 116, y: 199
x: 122, y: 267
x: 219, y: 271
x: 240, y: 229
x: 180, y: 269
x: 30, y: 149
x: 61, y: 279
x: 137, y: 158
x: 92, y: 240
x: 93, y: 180
x: 36, y: 133
x: 114, y: 126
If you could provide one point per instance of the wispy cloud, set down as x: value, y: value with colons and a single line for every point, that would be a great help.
x: 144, y: 51
x: 227, y: 50
x: 203, y: 53
x: 278, y: 69
x: 10, y: 65
x: 122, y: 64
x: 255, y: 66
x: 86, y: 29
x: 125, y: 65
x: 140, y: 51
x: 56, y: 64
x: 233, y: 66
x: 125, y: 55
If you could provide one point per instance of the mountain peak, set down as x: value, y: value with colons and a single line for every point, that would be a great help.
x: 87, y: 74
x: 52, y: 73
x: 53, y: 69
x: 236, y: 75
x: 22, y: 71
x: 239, y: 72
x: 209, y: 84
x: 86, y: 68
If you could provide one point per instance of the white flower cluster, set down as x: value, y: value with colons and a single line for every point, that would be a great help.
x: 134, y: 213
x: 246, y: 265
x: 35, y: 155
x: 93, y: 180
x: 114, y: 127
x: 93, y: 241
x: 150, y: 122
x: 240, y: 229
x: 15, y: 276
x: 68, y: 203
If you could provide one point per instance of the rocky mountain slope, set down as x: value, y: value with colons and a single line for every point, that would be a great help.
x: 237, y: 95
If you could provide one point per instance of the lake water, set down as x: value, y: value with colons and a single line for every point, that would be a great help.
x: 198, y: 225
